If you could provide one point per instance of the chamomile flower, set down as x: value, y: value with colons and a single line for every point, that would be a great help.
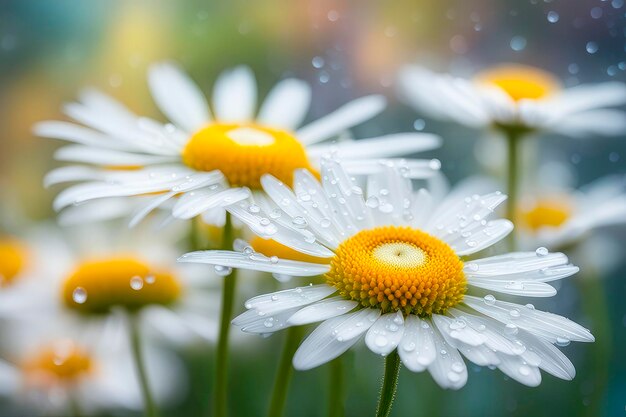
x: 205, y: 157
x: 517, y: 97
x: 95, y: 274
x: 61, y: 368
x: 395, y: 270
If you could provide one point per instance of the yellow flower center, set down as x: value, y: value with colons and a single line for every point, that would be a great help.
x: 243, y: 153
x: 269, y: 247
x: 546, y: 213
x: 398, y: 268
x: 62, y: 362
x: 97, y: 286
x: 520, y: 81
x: 12, y: 259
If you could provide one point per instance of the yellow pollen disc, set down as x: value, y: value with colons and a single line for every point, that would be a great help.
x: 59, y: 363
x: 398, y: 268
x: 546, y: 213
x: 521, y: 81
x: 243, y: 153
x: 12, y: 259
x: 97, y: 286
x: 269, y: 247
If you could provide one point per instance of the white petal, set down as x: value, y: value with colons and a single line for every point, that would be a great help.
x: 553, y: 327
x: 256, y: 262
x: 193, y: 204
x: 322, y: 310
x: 148, y: 208
x: 550, y: 358
x: 286, y: 105
x: 518, y: 287
x: 385, y: 335
x: 178, y: 97
x: 521, y: 266
x: 234, y: 95
x: 287, y: 299
x: 398, y: 144
x: 254, y: 321
x: 85, y: 154
x: 417, y: 348
x: 333, y: 337
x: 518, y: 369
x: 448, y: 368
x: 345, y: 117
x: 78, y: 134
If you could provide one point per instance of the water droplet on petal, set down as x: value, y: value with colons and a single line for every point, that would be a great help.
x: 79, y: 295
x: 136, y: 283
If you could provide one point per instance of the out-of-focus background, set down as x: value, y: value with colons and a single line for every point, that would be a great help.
x: 51, y: 49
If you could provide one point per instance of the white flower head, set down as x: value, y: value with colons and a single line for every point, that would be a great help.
x: 96, y: 274
x: 56, y: 366
x: 394, y: 270
x: 206, y: 159
x: 516, y: 97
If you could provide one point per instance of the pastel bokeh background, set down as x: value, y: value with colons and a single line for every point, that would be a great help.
x: 51, y: 49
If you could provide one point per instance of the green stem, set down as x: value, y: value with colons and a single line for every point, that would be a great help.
x: 285, y: 371
x: 337, y: 388
x: 390, y: 384
x: 150, y: 409
x: 513, y: 147
x: 594, y: 304
x: 221, y: 357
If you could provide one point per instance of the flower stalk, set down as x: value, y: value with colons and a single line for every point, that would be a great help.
x: 220, y: 398
x: 390, y: 385
x: 150, y: 409
x: 284, y: 372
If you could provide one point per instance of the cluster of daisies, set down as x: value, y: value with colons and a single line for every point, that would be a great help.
x: 374, y: 243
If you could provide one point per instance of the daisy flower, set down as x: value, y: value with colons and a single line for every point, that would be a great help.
x: 516, y: 100
x: 518, y: 97
x: 201, y: 156
x: 396, y: 271
x: 95, y: 271
x: 60, y: 368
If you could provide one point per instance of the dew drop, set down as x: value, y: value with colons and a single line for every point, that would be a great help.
x: 454, y: 377
x: 510, y: 329
x: 553, y: 17
x: 222, y: 270
x: 524, y: 370
x: 541, y: 251
x: 518, y: 43
x: 79, y: 295
x: 514, y: 313
x: 136, y: 283
x: 489, y: 299
x: 274, y: 259
x: 317, y: 62
x: 269, y: 322
x: 562, y: 341
x: 150, y: 279
x: 457, y: 367
x: 381, y: 341
x: 591, y: 47
x: 419, y: 124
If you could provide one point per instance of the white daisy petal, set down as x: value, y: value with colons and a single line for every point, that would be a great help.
x: 286, y: 105
x: 385, y: 334
x: 287, y: 299
x: 517, y: 287
x: 399, y: 144
x: 553, y: 327
x: 417, y: 347
x: 255, y: 262
x: 448, y: 368
x: 518, y: 369
x: 90, y: 155
x: 254, y: 321
x: 193, y: 204
x: 546, y: 356
x: 333, y: 337
x: 148, y: 208
x: 516, y: 266
x: 322, y: 310
x: 345, y: 117
x: 467, y: 242
x: 587, y: 97
x: 78, y: 134
x: 234, y: 95
x: 70, y: 174
x: 178, y: 97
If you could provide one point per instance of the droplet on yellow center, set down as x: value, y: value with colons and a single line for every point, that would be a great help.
x: 243, y: 153
x: 398, y: 269
x: 13, y: 256
x: 520, y: 81
x: 62, y: 362
x: 546, y: 213
x: 97, y: 286
x: 269, y: 247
